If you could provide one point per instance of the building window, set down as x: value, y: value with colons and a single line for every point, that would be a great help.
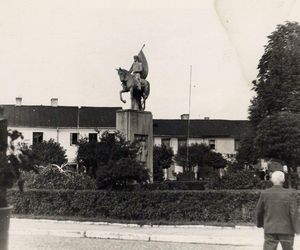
x: 182, y: 143
x: 74, y: 138
x: 236, y: 144
x: 212, y: 144
x: 37, y: 137
x: 165, y: 142
x: 93, y: 137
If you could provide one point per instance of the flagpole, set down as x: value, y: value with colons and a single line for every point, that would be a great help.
x: 188, y: 124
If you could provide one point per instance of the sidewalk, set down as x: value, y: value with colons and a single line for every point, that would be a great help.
x: 236, y: 236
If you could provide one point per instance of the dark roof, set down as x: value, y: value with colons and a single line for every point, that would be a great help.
x: 60, y: 116
x: 200, y: 128
x: 95, y: 117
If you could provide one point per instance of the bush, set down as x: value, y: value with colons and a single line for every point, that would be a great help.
x: 295, y: 181
x: 163, y: 206
x: 200, y: 155
x: 113, y: 161
x: 186, y: 176
x: 243, y: 179
x: 46, y: 152
x: 52, y: 178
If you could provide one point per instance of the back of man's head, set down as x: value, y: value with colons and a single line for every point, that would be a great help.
x: 277, y: 178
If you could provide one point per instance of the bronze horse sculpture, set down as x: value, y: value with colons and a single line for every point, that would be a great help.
x: 129, y: 84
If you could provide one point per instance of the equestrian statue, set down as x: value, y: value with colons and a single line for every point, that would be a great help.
x: 134, y: 81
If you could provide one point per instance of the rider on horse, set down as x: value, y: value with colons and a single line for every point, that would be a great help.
x: 136, y: 70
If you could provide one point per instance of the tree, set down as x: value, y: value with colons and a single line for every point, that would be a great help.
x: 12, y: 161
x: 113, y: 161
x: 46, y: 152
x: 278, y: 136
x: 246, y: 154
x: 162, y: 159
x: 274, y: 111
x: 200, y: 155
x: 277, y: 85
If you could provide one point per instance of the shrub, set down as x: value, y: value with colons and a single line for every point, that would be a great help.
x: 186, y: 176
x: 243, y: 179
x: 113, y: 161
x: 164, y: 206
x: 200, y: 155
x: 295, y: 181
x: 46, y: 152
x: 52, y: 178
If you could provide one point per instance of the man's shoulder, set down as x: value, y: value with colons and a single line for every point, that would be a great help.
x: 272, y: 190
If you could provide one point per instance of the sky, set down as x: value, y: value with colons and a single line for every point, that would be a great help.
x: 69, y: 49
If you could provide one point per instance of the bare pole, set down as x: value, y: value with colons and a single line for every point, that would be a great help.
x: 188, y: 123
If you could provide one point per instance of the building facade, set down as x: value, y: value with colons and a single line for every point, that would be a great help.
x: 223, y: 136
x: 64, y: 124
x: 68, y: 124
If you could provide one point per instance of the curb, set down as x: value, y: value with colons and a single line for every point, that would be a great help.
x: 133, y: 225
x: 146, y: 233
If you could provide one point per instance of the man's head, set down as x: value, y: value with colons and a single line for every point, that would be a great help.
x: 277, y: 178
x: 136, y: 59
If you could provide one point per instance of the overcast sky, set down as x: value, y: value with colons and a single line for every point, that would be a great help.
x: 69, y: 49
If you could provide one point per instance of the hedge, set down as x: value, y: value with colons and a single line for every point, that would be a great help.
x: 230, y: 206
x: 175, y: 185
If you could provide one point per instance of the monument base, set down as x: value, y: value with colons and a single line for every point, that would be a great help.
x: 138, y: 125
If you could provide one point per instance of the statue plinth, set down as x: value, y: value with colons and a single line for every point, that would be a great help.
x: 138, y: 125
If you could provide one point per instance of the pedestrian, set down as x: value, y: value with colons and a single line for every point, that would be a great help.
x: 277, y: 213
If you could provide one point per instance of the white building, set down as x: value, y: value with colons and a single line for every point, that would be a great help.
x: 67, y: 124
x: 223, y: 136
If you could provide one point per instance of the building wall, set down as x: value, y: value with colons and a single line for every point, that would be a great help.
x: 60, y: 135
x: 222, y: 145
x: 225, y: 146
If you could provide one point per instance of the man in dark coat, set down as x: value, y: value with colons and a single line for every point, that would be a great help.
x: 277, y: 213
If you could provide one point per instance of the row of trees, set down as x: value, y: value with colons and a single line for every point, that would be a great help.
x: 113, y: 162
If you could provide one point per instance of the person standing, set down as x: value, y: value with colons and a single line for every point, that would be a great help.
x: 277, y: 212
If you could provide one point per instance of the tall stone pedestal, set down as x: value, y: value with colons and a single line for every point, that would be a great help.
x: 138, y: 125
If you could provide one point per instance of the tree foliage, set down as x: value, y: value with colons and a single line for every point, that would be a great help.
x: 278, y: 136
x: 246, y: 154
x: 46, y: 152
x: 113, y: 161
x: 199, y: 155
x: 12, y: 161
x: 278, y: 82
x: 162, y: 159
x: 274, y: 111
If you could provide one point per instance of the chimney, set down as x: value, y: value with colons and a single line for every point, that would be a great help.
x: 18, y: 101
x: 54, y: 102
x: 206, y: 118
x: 184, y: 116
